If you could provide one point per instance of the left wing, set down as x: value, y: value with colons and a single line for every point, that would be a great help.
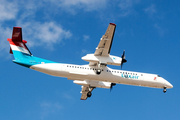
x: 89, y: 85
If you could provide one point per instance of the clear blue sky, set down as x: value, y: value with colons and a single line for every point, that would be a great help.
x: 64, y: 31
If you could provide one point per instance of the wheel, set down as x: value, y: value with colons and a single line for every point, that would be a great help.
x: 89, y: 94
x: 164, y: 90
x: 98, y: 71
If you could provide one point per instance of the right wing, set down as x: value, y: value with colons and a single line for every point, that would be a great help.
x: 105, y: 43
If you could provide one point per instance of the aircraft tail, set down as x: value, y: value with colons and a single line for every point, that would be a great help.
x: 18, y: 47
x: 21, y: 52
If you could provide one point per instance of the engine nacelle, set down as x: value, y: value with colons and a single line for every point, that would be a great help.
x: 91, y: 83
x: 110, y: 60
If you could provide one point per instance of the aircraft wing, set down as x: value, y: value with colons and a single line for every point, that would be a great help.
x: 84, y: 91
x: 89, y: 85
x: 105, y: 43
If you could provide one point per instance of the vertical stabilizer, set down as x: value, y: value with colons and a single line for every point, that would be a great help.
x: 20, y: 51
x: 17, y: 44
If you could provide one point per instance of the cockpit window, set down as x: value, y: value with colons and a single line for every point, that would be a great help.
x: 158, y: 76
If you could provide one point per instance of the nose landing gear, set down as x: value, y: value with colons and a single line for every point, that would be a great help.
x: 164, y: 90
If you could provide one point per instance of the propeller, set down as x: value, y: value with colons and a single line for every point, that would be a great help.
x: 112, y: 84
x: 123, y: 59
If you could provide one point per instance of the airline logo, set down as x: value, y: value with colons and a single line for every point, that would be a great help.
x: 129, y: 76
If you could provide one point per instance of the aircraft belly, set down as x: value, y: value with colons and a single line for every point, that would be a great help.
x: 115, y: 79
x: 59, y: 70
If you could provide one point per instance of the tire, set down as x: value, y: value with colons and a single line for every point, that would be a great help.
x: 164, y: 90
x: 98, y: 71
x: 89, y: 94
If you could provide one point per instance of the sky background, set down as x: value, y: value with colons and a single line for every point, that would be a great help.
x: 64, y: 31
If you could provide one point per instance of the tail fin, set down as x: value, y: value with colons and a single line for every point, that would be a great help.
x: 20, y: 51
x: 18, y: 48
x: 17, y: 43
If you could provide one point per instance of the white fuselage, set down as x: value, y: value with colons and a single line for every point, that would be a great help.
x: 86, y: 72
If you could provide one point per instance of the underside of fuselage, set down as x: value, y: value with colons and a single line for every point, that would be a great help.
x: 86, y: 72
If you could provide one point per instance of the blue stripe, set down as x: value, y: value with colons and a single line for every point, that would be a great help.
x: 27, y: 60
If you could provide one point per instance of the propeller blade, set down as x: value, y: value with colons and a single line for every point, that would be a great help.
x: 123, y: 59
x: 123, y: 55
x: 112, y: 84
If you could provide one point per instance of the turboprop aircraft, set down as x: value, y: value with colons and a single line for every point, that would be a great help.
x: 90, y: 76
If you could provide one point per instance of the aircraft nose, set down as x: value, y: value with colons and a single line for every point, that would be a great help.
x: 167, y: 84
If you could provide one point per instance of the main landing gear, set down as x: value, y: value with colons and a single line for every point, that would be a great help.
x: 89, y: 94
x: 164, y: 90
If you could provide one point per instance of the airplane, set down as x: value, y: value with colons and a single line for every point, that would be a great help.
x: 96, y: 74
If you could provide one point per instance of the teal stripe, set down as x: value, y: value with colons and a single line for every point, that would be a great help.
x: 27, y: 60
